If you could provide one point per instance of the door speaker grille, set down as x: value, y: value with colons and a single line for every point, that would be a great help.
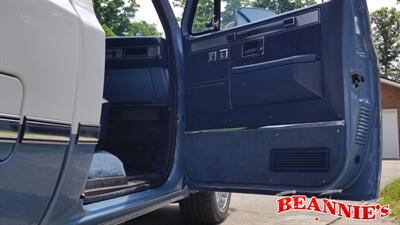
x: 300, y: 160
x: 363, y: 125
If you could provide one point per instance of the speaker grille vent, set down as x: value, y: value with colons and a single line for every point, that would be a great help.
x: 300, y: 160
x: 363, y: 125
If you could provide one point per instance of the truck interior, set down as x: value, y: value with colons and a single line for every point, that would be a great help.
x: 132, y: 154
x: 273, y: 71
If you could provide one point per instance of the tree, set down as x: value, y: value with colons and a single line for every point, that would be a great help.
x: 115, y: 14
x: 143, y: 29
x: 281, y: 6
x: 107, y: 30
x: 386, y: 37
x: 203, y: 15
x: 117, y: 18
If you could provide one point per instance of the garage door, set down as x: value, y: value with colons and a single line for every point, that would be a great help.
x: 390, y: 134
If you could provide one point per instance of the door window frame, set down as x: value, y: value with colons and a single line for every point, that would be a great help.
x: 192, y: 5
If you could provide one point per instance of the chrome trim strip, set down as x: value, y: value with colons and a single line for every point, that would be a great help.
x: 216, y: 130
x: 283, y: 126
x: 38, y: 131
x: 9, y: 126
x: 88, y: 134
x: 31, y: 118
x: 308, y: 125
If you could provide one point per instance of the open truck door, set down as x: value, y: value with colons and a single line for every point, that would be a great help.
x: 291, y: 102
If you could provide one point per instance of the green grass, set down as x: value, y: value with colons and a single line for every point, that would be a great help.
x: 391, y: 195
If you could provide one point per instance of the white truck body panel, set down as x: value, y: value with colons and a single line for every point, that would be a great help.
x: 11, y: 93
x: 89, y: 88
x: 56, y: 49
x: 39, y: 45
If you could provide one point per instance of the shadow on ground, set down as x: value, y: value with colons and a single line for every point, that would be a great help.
x: 167, y: 215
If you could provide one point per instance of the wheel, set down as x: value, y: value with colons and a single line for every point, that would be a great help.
x: 206, y: 207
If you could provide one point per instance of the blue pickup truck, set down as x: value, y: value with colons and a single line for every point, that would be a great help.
x: 97, y: 130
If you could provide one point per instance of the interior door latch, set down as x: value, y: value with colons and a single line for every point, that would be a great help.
x: 357, y: 78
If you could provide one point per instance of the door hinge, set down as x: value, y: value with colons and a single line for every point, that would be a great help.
x: 356, y: 79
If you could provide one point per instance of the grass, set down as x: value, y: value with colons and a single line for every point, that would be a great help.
x: 391, y: 195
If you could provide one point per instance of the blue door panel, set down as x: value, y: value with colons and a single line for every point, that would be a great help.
x: 211, y: 98
x: 66, y: 202
x: 295, y: 117
x: 312, y: 157
x: 276, y: 83
x: 304, y: 87
x: 206, y: 70
x: 28, y: 178
x: 305, y: 40
x: 5, y: 151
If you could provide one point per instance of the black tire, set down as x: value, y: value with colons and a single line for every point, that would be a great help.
x: 202, y: 208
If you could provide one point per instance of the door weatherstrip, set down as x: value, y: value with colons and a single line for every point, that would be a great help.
x: 39, y: 131
x: 9, y: 126
x: 340, y: 123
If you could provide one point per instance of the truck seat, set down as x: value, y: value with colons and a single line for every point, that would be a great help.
x: 105, y: 164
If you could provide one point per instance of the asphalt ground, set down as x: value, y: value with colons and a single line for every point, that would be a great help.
x: 247, y: 209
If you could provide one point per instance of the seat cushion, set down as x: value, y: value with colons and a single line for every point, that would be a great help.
x: 105, y: 164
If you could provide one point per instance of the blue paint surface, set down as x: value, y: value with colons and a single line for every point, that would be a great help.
x: 43, y: 183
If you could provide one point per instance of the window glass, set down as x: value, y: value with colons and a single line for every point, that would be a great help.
x: 177, y: 7
x: 204, y: 17
x: 128, y: 18
x: 239, y: 12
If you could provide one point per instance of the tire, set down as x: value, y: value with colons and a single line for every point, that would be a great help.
x: 203, y: 207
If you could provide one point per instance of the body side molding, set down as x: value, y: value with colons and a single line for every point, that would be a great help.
x: 9, y: 127
x: 41, y: 131
x: 88, y: 134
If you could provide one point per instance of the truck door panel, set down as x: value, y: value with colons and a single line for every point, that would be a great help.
x: 280, y: 112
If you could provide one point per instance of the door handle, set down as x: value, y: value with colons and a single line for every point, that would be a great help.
x: 252, y: 51
x: 253, y: 47
x: 290, y: 22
